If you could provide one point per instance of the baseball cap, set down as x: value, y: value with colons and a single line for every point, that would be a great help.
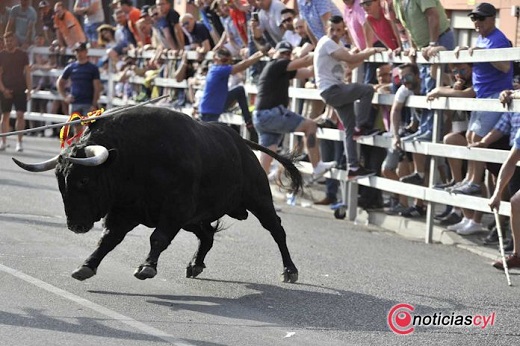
x: 79, y: 46
x: 484, y: 9
x: 283, y: 46
x: 144, y: 11
x: 43, y: 3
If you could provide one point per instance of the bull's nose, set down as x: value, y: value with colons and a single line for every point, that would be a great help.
x: 79, y: 228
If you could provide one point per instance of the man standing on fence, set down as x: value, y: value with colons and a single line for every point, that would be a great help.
x: 330, y: 55
x: 85, y: 86
x: 15, y: 86
x: 271, y: 117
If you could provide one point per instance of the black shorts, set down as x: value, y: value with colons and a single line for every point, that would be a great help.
x: 19, y: 100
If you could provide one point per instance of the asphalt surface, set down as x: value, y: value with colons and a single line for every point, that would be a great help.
x: 350, y: 278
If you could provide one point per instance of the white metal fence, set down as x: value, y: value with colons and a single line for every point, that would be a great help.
x: 434, y: 149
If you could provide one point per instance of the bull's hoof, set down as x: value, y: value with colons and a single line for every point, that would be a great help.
x: 192, y: 271
x: 289, y: 277
x: 83, y: 273
x: 145, y: 272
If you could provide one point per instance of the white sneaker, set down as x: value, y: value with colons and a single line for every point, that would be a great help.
x: 323, y: 167
x: 459, y: 225
x: 19, y: 147
x: 471, y: 228
x: 3, y: 146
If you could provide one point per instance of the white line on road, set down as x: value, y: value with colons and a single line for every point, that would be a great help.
x: 96, y: 307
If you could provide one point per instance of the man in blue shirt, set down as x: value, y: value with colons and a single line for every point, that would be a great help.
x: 489, y: 79
x: 85, y: 86
x: 216, y: 97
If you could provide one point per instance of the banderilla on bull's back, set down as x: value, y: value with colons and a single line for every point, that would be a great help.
x: 107, y: 114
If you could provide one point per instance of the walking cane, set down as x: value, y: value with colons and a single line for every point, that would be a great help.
x: 501, y: 245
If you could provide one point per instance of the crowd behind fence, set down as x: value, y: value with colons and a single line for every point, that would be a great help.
x: 349, y: 188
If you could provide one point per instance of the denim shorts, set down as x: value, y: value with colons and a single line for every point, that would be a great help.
x: 81, y: 108
x: 272, y: 124
x: 482, y: 122
x: 91, y: 31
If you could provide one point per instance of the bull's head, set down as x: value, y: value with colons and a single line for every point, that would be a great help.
x: 82, y: 183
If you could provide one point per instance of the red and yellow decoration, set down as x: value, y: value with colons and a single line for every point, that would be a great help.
x: 86, y: 120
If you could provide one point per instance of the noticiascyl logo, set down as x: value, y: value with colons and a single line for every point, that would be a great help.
x: 399, y: 319
x: 402, y: 321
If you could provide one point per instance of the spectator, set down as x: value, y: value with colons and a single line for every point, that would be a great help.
x: 85, y: 85
x: 271, y: 117
x: 144, y: 27
x: 306, y: 45
x: 382, y: 28
x: 489, y: 79
x: 4, y: 19
x: 211, y: 19
x: 93, y: 17
x: 504, y: 177
x: 462, y: 87
x: 328, y: 64
x: 169, y: 25
x: 216, y: 97
x: 133, y: 14
x: 68, y: 29
x: 410, y: 85
x: 15, y: 86
x: 288, y: 15
x: 106, y: 36
x: 197, y: 34
x: 231, y: 38
x: 316, y: 14
x: 47, y: 20
x: 269, y: 24
x: 124, y: 37
x: 22, y: 21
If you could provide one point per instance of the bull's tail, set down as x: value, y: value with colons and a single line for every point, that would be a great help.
x: 291, y: 171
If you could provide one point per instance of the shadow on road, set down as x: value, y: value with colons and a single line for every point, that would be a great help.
x: 293, y: 305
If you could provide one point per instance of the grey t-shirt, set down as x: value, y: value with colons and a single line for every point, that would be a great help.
x: 23, y: 21
x: 327, y: 70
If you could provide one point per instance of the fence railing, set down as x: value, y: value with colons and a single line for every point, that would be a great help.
x: 349, y: 188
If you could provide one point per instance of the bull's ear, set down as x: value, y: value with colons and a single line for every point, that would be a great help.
x: 113, y: 154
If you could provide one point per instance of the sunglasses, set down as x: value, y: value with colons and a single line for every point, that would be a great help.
x: 476, y: 17
x: 458, y: 71
x: 287, y: 20
x: 366, y: 3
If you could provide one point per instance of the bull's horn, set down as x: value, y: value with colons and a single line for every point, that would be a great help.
x: 96, y: 155
x: 40, y: 166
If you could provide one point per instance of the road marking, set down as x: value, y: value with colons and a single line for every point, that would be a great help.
x: 96, y: 307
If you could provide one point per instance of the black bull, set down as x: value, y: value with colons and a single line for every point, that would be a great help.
x: 159, y: 168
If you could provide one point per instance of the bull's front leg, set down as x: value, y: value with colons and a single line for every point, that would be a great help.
x: 110, y: 238
x: 160, y: 239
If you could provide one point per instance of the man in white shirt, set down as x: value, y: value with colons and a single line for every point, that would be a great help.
x: 329, y: 58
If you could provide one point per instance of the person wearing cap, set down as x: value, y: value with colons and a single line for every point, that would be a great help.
x: 15, y: 86
x: 272, y: 118
x: 489, y: 79
x: 216, y: 97
x: 68, y: 29
x: 85, y: 85
x: 93, y: 17
x: 330, y: 55
x: 46, y: 15
x: 144, y: 27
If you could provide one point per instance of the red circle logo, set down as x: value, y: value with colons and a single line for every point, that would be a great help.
x: 399, y: 319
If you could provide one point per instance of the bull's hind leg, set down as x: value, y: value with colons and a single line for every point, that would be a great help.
x: 205, y: 233
x: 264, y: 211
x: 112, y: 236
x: 159, y: 241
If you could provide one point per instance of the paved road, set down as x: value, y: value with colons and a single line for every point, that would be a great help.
x: 350, y: 277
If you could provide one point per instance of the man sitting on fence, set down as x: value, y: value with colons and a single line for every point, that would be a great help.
x: 271, y: 117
